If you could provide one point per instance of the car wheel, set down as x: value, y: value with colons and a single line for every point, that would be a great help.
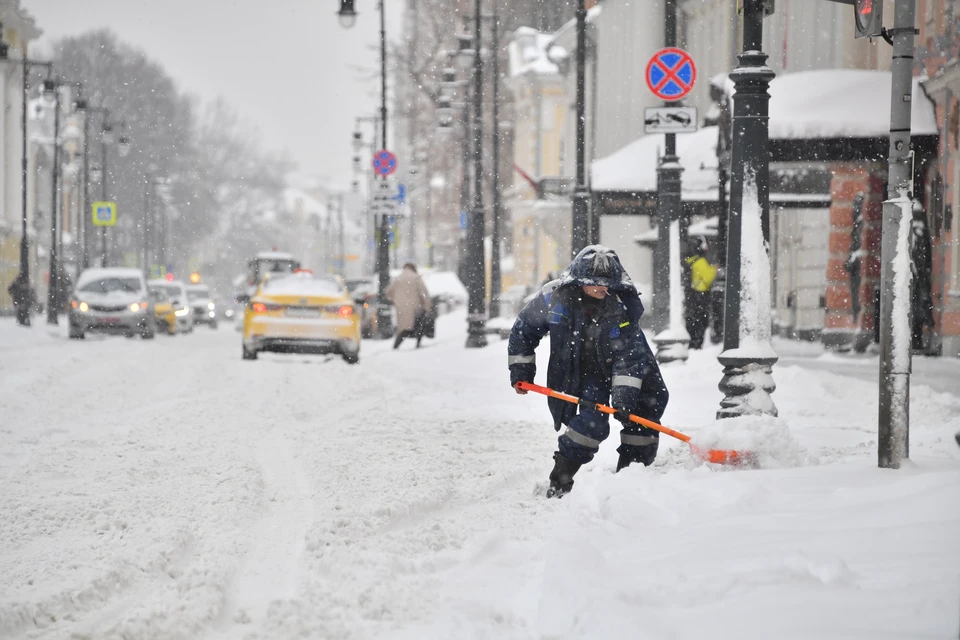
x: 76, y: 334
x: 351, y: 358
x: 249, y: 354
x: 213, y: 325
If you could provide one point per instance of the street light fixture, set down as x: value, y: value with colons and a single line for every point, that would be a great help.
x: 347, y: 14
x: 123, y: 146
x: 106, y: 133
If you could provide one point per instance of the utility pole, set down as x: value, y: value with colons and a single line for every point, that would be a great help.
x: 672, y: 337
x: 475, y: 266
x: 496, y: 274
x: 895, y: 358
x: 384, y: 320
x: 581, y: 205
x: 53, y: 288
x: 748, y: 356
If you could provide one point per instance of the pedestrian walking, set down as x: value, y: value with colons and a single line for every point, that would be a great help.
x: 412, y: 302
x: 702, y: 274
x: 597, y: 351
x: 23, y: 299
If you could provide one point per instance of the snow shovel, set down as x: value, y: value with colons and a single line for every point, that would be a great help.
x: 715, y: 456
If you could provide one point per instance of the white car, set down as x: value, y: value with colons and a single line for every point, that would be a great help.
x: 177, y: 292
x: 111, y: 301
x: 204, y: 310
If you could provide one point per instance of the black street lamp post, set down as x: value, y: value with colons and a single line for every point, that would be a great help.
x: 26, y: 290
x: 581, y: 194
x: 475, y: 262
x: 348, y: 16
x: 51, y: 91
x: 747, y: 356
x: 496, y: 273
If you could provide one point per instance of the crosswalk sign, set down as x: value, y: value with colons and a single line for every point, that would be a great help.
x: 104, y: 214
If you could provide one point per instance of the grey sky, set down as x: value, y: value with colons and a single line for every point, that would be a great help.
x: 286, y: 65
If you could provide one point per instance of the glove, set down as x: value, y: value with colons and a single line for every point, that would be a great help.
x: 521, y: 373
x: 625, y: 399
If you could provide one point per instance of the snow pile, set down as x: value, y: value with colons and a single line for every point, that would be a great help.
x: 767, y: 438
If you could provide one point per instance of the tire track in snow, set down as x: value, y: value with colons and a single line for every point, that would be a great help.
x: 270, y: 571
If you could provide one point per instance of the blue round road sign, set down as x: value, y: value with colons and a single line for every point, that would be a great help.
x: 384, y: 162
x: 671, y: 74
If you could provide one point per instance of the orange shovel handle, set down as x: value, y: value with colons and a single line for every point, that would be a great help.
x: 529, y: 386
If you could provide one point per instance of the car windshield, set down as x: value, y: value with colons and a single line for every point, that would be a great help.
x: 111, y: 285
x: 172, y: 290
x: 197, y: 294
x: 158, y: 295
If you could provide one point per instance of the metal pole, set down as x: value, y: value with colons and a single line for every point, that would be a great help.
x: 496, y: 273
x: 581, y: 213
x: 103, y: 191
x: 747, y: 381
x: 384, y: 320
x: 147, y: 224
x: 85, y: 212
x: 895, y: 359
x: 23, y: 310
x: 53, y: 289
x: 476, y: 271
x: 672, y: 338
x: 341, y: 259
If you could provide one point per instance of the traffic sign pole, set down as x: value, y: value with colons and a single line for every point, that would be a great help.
x: 670, y: 76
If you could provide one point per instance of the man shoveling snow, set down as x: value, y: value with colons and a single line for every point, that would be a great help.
x: 597, y: 352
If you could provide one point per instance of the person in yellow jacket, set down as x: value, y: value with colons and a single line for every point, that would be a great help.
x: 702, y: 274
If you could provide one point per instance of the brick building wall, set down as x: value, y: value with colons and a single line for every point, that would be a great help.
x: 841, y: 328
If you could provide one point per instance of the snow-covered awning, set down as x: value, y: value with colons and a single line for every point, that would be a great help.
x: 840, y: 103
x: 828, y: 104
x: 634, y: 167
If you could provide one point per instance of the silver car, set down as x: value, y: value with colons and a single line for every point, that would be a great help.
x: 202, y: 305
x: 111, y: 301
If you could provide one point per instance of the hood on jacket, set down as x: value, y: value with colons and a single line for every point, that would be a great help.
x: 598, y: 266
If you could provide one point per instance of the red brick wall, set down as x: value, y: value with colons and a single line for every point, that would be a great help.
x: 850, y: 179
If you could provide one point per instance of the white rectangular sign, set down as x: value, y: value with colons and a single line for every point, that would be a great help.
x: 670, y: 120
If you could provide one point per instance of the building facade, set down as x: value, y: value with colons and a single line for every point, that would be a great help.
x: 19, y: 29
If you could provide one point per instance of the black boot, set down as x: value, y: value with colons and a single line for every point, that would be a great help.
x: 396, y: 343
x: 561, y: 478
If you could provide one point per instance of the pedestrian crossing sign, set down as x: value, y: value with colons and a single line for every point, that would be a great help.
x: 104, y: 214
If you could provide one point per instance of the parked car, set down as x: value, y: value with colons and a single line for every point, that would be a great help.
x: 111, y: 301
x: 301, y: 313
x: 163, y: 312
x: 363, y: 292
x: 203, y: 309
x: 177, y: 292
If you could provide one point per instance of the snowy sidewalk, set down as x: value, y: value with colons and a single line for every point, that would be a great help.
x: 167, y: 489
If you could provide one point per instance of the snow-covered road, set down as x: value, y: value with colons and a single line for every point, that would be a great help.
x: 167, y: 489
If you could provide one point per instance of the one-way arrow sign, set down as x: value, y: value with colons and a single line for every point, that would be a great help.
x: 670, y: 120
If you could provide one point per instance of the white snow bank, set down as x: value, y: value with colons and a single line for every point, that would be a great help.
x: 768, y: 439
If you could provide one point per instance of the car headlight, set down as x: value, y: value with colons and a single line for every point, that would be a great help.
x: 182, y: 312
x: 210, y: 306
x: 81, y: 306
x: 135, y: 307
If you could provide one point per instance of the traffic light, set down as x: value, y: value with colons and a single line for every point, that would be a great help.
x: 195, y: 278
x: 867, y: 17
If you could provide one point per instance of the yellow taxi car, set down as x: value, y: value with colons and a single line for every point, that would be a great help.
x: 163, y: 310
x: 301, y: 313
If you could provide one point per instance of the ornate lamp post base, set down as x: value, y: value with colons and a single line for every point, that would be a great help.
x: 476, y: 332
x: 746, y: 387
x: 672, y: 346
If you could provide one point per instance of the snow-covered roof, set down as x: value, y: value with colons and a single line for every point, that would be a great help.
x: 634, y: 167
x: 528, y: 53
x: 840, y: 103
x: 566, y: 35
x: 297, y: 200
